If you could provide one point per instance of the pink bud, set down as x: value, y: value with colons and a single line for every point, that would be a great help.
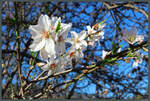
x: 91, y: 43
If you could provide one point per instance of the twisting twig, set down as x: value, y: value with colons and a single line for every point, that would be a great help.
x: 127, y: 5
x: 18, y: 53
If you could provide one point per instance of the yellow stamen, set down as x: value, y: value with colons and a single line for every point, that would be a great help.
x: 76, y: 40
x: 131, y: 38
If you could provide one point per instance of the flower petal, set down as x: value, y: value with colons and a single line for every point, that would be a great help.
x: 44, y: 22
x: 37, y: 46
x: 75, y: 35
x: 140, y: 38
x: 84, y: 43
x: 54, y: 20
x: 50, y: 46
x: 49, y: 73
x: 69, y: 40
x: 77, y: 46
x: 82, y: 35
x: 65, y: 30
x: 45, y: 67
x: 104, y: 53
x: 35, y: 31
x: 88, y: 28
x: 43, y: 54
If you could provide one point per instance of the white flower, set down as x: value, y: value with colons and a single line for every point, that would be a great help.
x: 56, y: 65
x: 52, y: 66
x: 42, y: 35
x: 138, y: 60
x: 96, y: 32
x: 77, y: 40
x: 64, y: 62
x: 61, y: 38
x: 75, y: 54
x: 131, y: 36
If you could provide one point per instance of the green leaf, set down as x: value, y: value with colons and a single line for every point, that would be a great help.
x: 12, y: 21
x: 130, y: 54
x: 33, y: 54
x: 58, y: 28
x: 102, y: 21
x: 110, y: 60
x: 117, y: 64
x: 91, y: 66
x: 67, y: 85
x: 14, y: 54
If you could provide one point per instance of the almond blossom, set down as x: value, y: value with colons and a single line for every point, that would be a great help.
x: 48, y: 36
x: 96, y: 32
x: 139, y: 59
x: 77, y: 40
x: 75, y: 54
x: 131, y: 36
x: 61, y: 38
x: 55, y: 65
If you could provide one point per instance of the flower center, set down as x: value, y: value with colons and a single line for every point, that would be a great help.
x: 95, y: 26
x: 131, y: 38
x: 52, y: 66
x: 72, y: 54
x: 46, y: 34
x: 52, y: 27
x: 76, y: 40
x: 60, y: 38
x: 90, y: 32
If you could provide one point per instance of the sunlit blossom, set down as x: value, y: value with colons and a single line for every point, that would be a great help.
x: 61, y: 38
x: 138, y: 59
x: 75, y: 53
x: 56, y: 65
x: 131, y: 36
x: 77, y: 40
x: 96, y: 32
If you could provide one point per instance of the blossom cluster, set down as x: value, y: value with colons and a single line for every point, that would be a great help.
x: 51, y: 35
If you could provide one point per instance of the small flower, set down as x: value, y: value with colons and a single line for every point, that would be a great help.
x: 61, y: 38
x: 104, y: 54
x: 51, y: 66
x: 138, y: 60
x: 77, y: 40
x: 75, y: 54
x: 96, y: 32
x: 56, y: 65
x: 131, y: 36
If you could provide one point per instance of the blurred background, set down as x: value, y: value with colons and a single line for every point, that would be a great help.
x: 119, y: 79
